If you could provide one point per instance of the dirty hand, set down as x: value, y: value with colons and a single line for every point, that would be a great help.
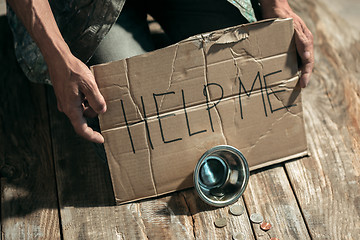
x: 75, y: 89
x: 303, y: 37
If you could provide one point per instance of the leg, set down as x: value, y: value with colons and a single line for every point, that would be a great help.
x: 183, y: 18
x: 129, y: 36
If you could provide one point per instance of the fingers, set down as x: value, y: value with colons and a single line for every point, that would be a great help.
x: 74, y: 83
x: 75, y: 110
x: 305, y: 48
x: 81, y: 128
x: 89, y: 112
x: 92, y: 94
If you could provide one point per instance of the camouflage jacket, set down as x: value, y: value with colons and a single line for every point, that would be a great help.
x: 83, y: 24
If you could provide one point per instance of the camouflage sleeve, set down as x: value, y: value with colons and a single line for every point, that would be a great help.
x: 27, y: 53
x: 82, y: 23
x: 245, y: 8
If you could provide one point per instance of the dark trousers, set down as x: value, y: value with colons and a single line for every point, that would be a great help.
x: 179, y: 19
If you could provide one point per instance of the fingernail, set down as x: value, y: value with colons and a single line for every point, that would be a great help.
x: 304, y: 81
x: 104, y: 109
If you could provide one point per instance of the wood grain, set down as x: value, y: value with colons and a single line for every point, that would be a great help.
x: 326, y: 203
x: 167, y: 218
x: 29, y: 207
x: 204, y: 216
x: 88, y: 210
x: 86, y: 198
x: 327, y: 184
x: 84, y: 188
x: 269, y: 194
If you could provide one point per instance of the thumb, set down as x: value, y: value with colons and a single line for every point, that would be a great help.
x: 305, y: 49
x: 92, y: 93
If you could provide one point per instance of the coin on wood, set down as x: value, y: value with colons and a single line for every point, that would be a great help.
x: 236, y: 210
x: 220, y: 222
x: 265, y: 226
x: 256, y: 218
x: 238, y: 236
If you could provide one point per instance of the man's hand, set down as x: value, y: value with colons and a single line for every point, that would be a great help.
x: 75, y: 87
x: 303, y: 37
x: 77, y: 94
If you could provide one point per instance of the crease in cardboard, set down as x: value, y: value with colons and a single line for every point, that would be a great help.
x: 289, y: 104
x: 221, y: 125
x: 127, y: 176
x: 270, y: 129
x: 171, y: 75
x: 232, y: 36
x: 215, y: 38
x: 205, y: 73
x: 208, y: 92
x: 203, y: 105
x: 238, y: 56
x: 129, y: 89
x: 205, y: 64
x: 150, y: 162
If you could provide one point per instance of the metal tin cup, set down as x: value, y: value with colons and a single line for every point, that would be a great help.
x: 221, y: 175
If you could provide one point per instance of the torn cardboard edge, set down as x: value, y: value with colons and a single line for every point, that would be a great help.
x: 152, y: 152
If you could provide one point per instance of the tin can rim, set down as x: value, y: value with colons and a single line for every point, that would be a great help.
x: 246, y: 173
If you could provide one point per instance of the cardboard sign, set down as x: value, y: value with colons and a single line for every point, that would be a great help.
x: 236, y: 86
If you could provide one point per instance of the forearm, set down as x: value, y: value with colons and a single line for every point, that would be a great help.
x: 37, y: 17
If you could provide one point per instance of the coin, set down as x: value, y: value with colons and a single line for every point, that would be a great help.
x: 220, y: 222
x: 238, y: 236
x: 217, y: 192
x: 256, y: 218
x: 236, y: 210
x: 265, y: 226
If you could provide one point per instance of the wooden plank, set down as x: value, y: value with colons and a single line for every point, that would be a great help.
x: 86, y: 198
x: 88, y: 210
x: 327, y: 184
x: 84, y: 188
x: 29, y: 207
x: 167, y: 218
x: 204, y: 216
x: 269, y: 194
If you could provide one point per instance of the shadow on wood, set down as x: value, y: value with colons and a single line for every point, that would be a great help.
x: 29, y: 141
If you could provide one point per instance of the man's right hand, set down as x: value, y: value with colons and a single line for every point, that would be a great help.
x: 77, y: 94
x: 74, y: 85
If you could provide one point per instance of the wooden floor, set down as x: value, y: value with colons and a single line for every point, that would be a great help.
x: 53, y: 186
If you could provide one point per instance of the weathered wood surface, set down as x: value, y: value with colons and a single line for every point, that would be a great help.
x: 316, y: 197
x: 29, y: 208
x: 204, y: 217
x: 86, y: 199
x: 87, y: 207
x: 269, y: 193
x: 327, y: 184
